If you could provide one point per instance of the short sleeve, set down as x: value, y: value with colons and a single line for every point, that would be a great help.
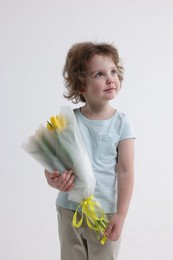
x: 127, y: 130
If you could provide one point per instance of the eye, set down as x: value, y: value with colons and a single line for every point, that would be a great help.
x: 99, y: 74
x: 113, y: 72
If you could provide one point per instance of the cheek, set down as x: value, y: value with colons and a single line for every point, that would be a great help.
x: 94, y: 87
x: 118, y: 84
x: 97, y: 86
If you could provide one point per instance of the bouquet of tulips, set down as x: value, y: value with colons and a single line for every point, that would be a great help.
x: 60, y: 146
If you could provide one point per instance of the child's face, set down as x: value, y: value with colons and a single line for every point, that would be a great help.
x: 102, y: 82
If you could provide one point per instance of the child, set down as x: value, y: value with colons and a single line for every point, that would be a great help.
x: 93, y: 75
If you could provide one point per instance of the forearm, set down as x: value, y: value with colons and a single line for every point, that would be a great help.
x: 124, y: 192
x: 125, y: 180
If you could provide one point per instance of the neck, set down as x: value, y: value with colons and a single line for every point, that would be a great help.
x: 97, y: 112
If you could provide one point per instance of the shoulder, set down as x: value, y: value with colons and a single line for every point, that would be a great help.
x: 122, y: 115
x: 123, y: 118
x: 126, y: 126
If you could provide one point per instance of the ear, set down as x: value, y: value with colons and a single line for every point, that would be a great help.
x: 82, y: 90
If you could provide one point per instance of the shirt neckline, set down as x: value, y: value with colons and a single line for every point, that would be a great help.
x: 97, y: 121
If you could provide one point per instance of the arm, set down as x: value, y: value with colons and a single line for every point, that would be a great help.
x: 125, y: 175
x: 63, y: 182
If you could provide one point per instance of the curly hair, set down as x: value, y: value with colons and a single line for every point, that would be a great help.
x: 75, y: 66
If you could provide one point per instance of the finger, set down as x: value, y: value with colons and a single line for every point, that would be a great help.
x: 70, y: 188
x: 51, y: 174
x: 111, y: 232
x: 108, y: 229
x: 66, y: 183
x: 46, y: 173
x: 69, y: 175
x: 114, y: 237
x: 114, y: 234
x: 64, y: 177
x: 70, y: 184
x: 54, y: 174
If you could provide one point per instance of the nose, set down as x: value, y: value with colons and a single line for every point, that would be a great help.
x: 109, y: 80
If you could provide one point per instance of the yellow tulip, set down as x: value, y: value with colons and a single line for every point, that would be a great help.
x: 57, y: 123
x: 49, y: 126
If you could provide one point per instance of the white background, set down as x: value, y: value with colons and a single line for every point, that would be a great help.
x: 35, y: 37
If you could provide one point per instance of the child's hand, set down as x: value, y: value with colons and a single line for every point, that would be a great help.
x: 63, y: 182
x: 115, y: 226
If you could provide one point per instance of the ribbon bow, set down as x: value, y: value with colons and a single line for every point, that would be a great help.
x: 95, y: 217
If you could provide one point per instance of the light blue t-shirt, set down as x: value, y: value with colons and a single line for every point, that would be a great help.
x: 102, y: 138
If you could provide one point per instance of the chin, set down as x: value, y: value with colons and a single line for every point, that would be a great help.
x: 112, y: 96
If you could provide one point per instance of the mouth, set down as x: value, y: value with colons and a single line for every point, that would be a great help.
x: 110, y: 89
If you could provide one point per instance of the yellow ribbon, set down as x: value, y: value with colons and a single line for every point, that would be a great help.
x: 94, y: 214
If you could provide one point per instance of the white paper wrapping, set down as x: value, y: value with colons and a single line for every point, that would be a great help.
x: 62, y: 151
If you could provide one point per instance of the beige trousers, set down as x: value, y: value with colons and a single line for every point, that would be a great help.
x: 81, y: 243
